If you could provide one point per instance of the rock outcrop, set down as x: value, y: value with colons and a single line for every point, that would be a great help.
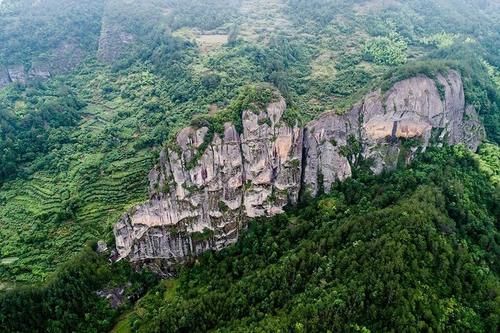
x: 201, y: 200
x: 208, y: 185
x: 384, y: 127
x: 62, y: 59
x: 17, y: 73
x: 4, y: 77
x: 39, y: 71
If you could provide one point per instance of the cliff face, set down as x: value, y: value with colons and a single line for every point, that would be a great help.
x: 396, y: 125
x: 4, y: 77
x: 203, y: 191
x: 201, y: 202
x: 124, y: 28
x: 17, y: 73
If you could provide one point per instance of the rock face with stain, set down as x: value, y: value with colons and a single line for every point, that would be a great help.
x: 208, y: 185
x: 417, y: 109
x: 200, y: 200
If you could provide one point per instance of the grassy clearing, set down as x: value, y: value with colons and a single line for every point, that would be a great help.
x: 209, y: 42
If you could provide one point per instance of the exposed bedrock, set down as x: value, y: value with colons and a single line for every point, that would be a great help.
x: 205, y: 188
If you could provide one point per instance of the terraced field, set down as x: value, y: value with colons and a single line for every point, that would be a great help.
x: 48, y: 217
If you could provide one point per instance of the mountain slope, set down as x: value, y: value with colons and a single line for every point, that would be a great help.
x: 94, y: 93
x: 255, y: 161
x: 416, y: 249
x: 76, y: 148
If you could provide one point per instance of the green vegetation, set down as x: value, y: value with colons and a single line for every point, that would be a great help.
x: 36, y: 120
x: 250, y: 98
x: 69, y: 300
x: 441, y: 40
x: 386, y: 50
x: 206, y: 234
x: 415, y: 249
x: 489, y: 162
x: 75, y: 152
x: 40, y: 32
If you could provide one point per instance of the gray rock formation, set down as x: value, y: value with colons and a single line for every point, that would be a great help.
x: 325, y: 163
x: 38, y: 71
x: 101, y: 246
x: 413, y: 111
x: 17, y: 73
x: 62, y: 59
x: 4, y: 77
x: 208, y: 185
x: 201, y: 200
x: 116, y: 296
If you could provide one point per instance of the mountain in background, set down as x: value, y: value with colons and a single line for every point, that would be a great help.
x: 95, y: 94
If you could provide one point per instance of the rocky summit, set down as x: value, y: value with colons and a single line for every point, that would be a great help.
x: 206, y: 187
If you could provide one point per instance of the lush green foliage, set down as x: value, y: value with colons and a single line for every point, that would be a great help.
x: 68, y: 302
x: 386, y: 50
x: 35, y: 121
x: 414, y: 250
x: 37, y: 32
x: 75, y: 151
x: 489, y: 162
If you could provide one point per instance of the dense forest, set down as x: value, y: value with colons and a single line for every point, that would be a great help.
x: 417, y: 248
x: 90, y: 92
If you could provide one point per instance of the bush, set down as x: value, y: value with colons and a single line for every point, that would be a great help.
x: 386, y: 50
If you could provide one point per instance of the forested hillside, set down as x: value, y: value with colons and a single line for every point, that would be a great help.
x: 417, y: 248
x: 76, y: 149
x: 414, y: 249
x: 91, y: 91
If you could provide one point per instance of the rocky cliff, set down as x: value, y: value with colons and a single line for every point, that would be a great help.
x: 206, y: 187
x: 110, y: 30
x: 18, y: 74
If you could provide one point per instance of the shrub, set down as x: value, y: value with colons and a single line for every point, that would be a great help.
x: 386, y: 50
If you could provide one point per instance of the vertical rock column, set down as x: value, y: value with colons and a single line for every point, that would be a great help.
x: 272, y: 154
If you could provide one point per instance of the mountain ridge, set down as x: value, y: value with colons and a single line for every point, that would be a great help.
x: 208, y: 185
